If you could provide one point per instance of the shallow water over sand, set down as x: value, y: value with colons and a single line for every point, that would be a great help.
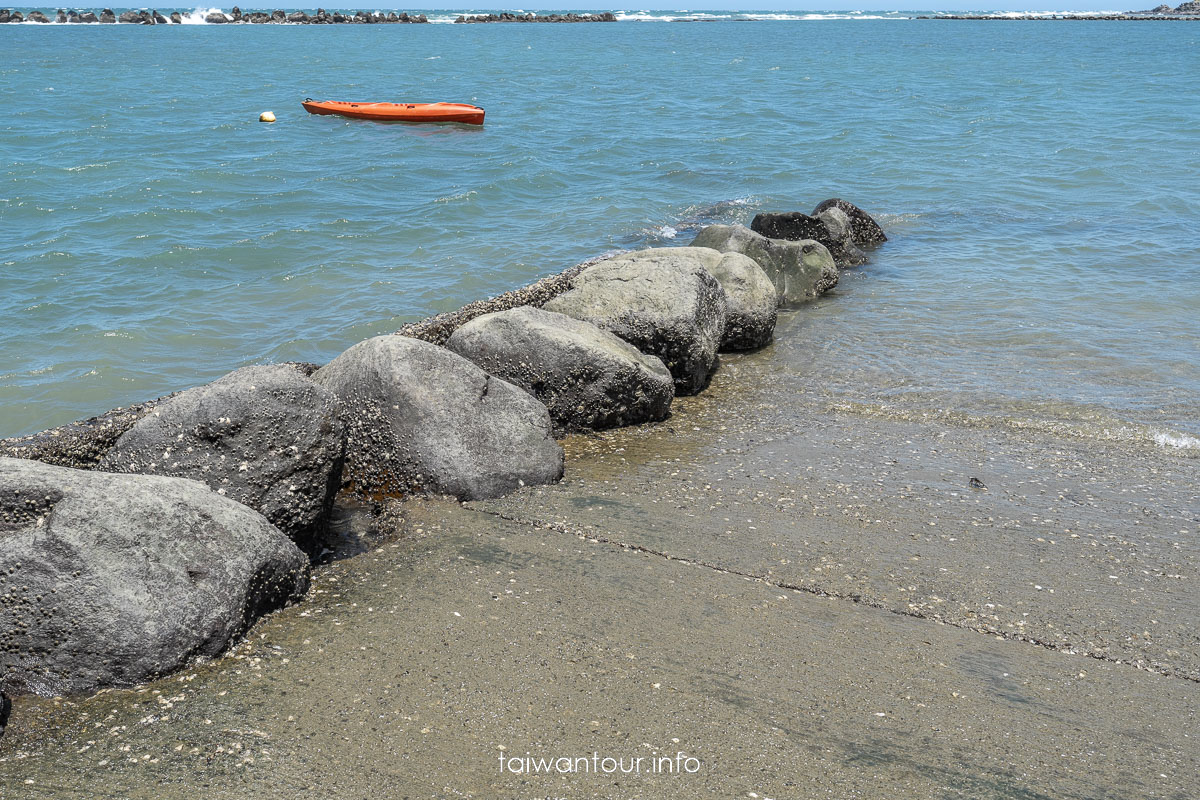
x: 1036, y: 179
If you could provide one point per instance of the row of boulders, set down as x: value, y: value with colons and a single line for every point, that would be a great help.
x: 151, y: 17
x: 508, y: 16
x: 322, y: 17
x: 178, y: 522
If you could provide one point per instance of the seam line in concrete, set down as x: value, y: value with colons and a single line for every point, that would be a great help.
x: 818, y: 592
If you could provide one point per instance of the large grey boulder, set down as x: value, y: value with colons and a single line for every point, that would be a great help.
x: 422, y: 418
x: 750, y: 301
x: 864, y: 230
x: 265, y: 436
x: 662, y: 301
x: 587, y: 377
x: 111, y: 580
x: 797, y: 226
x: 800, y: 271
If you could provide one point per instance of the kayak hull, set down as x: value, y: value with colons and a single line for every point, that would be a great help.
x: 398, y: 112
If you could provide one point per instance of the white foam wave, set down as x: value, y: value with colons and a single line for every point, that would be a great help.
x: 197, y: 17
x: 1177, y: 440
x: 1020, y: 14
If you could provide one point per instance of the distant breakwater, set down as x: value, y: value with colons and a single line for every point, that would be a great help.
x: 280, y: 17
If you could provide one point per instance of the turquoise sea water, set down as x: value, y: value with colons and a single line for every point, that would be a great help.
x: 1038, y: 180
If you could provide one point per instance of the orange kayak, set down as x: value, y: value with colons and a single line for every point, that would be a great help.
x: 398, y: 112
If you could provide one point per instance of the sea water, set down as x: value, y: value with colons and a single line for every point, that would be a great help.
x: 1038, y: 181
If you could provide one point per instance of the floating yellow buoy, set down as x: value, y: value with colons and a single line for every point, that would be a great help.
x: 266, y: 116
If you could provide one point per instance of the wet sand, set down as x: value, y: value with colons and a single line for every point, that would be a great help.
x: 805, y: 596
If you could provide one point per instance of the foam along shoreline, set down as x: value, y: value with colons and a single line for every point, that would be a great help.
x: 1189, y: 10
x: 254, y: 462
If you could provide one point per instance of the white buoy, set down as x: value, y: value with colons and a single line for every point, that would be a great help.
x: 266, y: 116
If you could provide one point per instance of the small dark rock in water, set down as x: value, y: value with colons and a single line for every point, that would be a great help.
x: 298, y: 17
x: 863, y: 227
x: 176, y: 18
x: 797, y: 226
x: 62, y: 16
x: 159, y: 19
x: 107, y: 17
x: 216, y: 18
x: 236, y: 13
x: 975, y: 483
x: 88, y: 17
x: 129, y: 17
x: 37, y: 16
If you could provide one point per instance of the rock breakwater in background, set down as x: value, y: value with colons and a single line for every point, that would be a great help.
x: 151, y: 535
x: 280, y: 17
x: 234, y: 17
x: 607, y: 16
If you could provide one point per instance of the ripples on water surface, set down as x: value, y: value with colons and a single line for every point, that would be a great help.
x: 1038, y: 181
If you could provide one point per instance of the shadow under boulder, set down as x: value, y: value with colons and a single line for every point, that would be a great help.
x: 588, y: 378
x: 111, y: 580
x: 265, y: 436
x: 423, y: 419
